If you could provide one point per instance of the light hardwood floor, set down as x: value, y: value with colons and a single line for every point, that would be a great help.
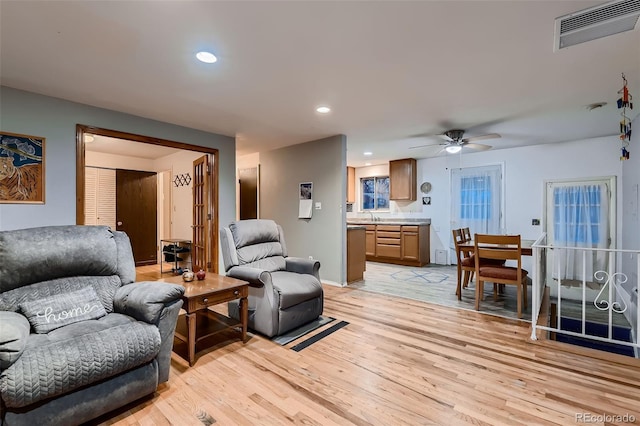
x: 399, y: 361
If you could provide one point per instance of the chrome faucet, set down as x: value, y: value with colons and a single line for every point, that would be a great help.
x: 373, y: 218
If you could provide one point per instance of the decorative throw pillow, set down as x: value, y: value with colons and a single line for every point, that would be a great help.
x: 56, y: 311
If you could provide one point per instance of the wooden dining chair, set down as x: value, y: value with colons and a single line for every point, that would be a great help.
x: 500, y: 248
x: 466, y: 236
x: 465, y: 262
x: 466, y: 233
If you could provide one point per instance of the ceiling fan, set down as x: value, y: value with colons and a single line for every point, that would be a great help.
x: 454, y: 141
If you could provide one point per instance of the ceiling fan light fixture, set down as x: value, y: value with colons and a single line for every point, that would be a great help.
x: 453, y: 149
x: 206, y: 57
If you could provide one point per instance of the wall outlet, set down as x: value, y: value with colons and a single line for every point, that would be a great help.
x: 318, y: 206
x: 310, y: 257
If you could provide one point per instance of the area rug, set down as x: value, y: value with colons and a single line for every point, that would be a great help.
x: 436, y: 284
x: 316, y: 337
x: 296, y: 333
x: 419, y: 276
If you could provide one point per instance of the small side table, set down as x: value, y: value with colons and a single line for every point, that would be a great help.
x: 172, y: 249
x: 199, y: 322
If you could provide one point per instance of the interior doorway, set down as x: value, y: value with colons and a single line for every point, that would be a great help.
x: 248, y: 181
x: 136, y: 213
x: 164, y: 206
x: 212, y: 180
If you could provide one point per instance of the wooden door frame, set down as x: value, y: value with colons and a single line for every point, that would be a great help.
x: 213, y: 154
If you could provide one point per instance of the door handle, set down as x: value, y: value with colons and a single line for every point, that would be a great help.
x: 119, y: 224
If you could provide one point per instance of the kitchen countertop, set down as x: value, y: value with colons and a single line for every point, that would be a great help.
x: 354, y: 226
x: 389, y: 221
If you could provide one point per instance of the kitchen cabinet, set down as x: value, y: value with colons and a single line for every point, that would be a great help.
x: 356, y: 257
x: 402, y: 179
x: 351, y: 185
x: 370, y: 241
x: 388, y: 241
x: 410, y: 243
x: 400, y: 244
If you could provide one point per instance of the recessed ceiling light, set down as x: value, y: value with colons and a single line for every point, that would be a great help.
x: 452, y: 149
x: 323, y: 109
x: 206, y: 57
x: 368, y: 153
x: 367, y: 164
x: 88, y: 138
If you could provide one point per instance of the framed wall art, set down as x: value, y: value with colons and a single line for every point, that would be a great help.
x: 306, y: 200
x: 21, y: 168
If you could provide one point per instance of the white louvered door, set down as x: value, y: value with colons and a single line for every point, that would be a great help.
x: 90, y: 192
x: 100, y: 197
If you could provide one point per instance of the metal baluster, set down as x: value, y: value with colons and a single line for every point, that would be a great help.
x: 611, y: 284
x: 559, y: 326
x: 637, y: 302
x: 535, y: 311
x: 584, y: 292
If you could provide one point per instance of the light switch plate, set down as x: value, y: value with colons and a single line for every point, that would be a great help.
x: 318, y: 205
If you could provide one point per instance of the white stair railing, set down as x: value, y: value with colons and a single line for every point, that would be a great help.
x: 611, y: 298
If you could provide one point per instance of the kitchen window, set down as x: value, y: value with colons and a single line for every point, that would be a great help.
x: 375, y: 193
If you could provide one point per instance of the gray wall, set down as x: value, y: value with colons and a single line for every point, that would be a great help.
x: 324, y: 163
x: 55, y: 119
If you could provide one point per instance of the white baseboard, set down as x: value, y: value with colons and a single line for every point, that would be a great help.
x: 333, y: 283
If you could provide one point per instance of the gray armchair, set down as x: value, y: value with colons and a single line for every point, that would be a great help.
x: 285, y: 292
x: 78, y: 336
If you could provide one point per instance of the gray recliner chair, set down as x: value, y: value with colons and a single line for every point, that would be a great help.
x: 285, y: 292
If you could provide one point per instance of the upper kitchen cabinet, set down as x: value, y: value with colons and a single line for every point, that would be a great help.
x: 351, y: 185
x: 402, y: 179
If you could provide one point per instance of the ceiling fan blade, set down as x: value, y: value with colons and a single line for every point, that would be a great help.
x: 424, y: 146
x: 446, y: 138
x: 477, y: 146
x: 481, y: 138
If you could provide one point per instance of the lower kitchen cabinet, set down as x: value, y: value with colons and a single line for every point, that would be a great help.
x: 356, y: 257
x: 411, y: 243
x: 399, y: 244
x: 370, y: 245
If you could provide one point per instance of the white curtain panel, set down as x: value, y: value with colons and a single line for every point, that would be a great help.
x: 581, y: 220
x: 476, y: 199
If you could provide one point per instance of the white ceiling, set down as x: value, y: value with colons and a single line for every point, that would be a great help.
x: 389, y: 69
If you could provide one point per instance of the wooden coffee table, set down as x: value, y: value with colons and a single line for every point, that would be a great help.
x: 199, y: 322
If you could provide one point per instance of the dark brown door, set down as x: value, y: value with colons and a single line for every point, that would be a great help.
x: 248, y: 193
x: 201, y: 214
x: 136, y: 204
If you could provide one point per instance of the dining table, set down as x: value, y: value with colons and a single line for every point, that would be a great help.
x: 526, y: 246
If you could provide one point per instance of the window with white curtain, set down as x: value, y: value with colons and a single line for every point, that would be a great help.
x: 579, y: 212
x: 476, y: 199
x: 579, y: 215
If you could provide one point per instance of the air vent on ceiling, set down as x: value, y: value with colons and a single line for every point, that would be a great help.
x: 596, y: 22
